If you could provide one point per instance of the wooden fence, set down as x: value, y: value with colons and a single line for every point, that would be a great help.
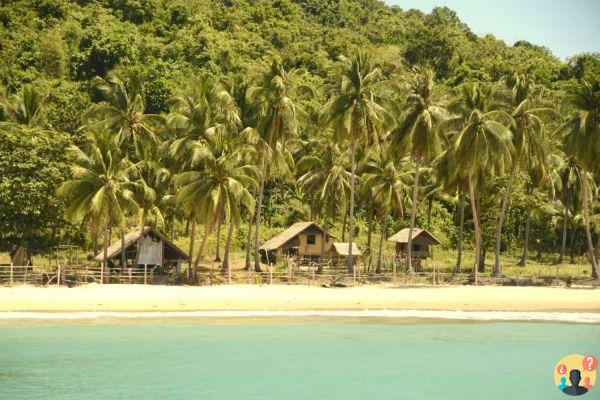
x: 312, y: 273
x: 74, y: 274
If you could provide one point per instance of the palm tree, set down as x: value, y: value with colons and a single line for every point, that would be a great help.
x: 123, y: 111
x: 99, y: 188
x: 206, y: 105
x: 152, y: 184
x: 528, y: 134
x: 324, y: 177
x: 582, y: 142
x: 543, y: 176
x: 446, y: 168
x: 570, y: 187
x: 387, y: 176
x: 417, y: 127
x: 483, y: 146
x: 277, y: 118
x: 355, y: 113
x: 218, y: 183
x: 23, y: 108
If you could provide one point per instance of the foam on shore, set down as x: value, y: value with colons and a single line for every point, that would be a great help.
x: 573, y: 317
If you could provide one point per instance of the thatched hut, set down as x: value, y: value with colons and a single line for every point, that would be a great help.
x: 301, y: 240
x: 152, y: 249
x: 421, y: 242
x: 339, y: 253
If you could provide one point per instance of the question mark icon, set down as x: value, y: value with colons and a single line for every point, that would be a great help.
x: 561, y: 369
x: 590, y: 363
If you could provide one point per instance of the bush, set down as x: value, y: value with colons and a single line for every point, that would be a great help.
x: 51, y: 8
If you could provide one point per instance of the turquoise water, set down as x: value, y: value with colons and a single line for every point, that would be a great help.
x: 294, y: 358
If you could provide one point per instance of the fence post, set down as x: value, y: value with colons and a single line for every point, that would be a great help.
x: 271, y: 274
x: 58, y: 274
x: 129, y: 273
x: 11, y: 273
x: 145, y: 274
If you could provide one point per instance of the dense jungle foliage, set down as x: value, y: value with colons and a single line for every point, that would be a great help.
x: 262, y: 92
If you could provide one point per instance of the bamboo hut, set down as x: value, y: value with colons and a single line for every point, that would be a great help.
x: 422, y: 241
x: 302, y: 240
x: 151, y: 249
x: 339, y: 253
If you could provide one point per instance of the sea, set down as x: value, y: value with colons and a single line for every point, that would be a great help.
x: 286, y: 356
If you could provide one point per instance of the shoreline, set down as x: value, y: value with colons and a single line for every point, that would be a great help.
x: 410, y: 315
x: 256, y: 299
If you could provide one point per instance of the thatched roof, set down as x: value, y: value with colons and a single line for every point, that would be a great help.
x: 277, y: 241
x: 343, y: 249
x: 402, y: 236
x: 114, y: 249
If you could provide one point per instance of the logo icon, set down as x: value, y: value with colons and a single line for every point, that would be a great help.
x: 575, y: 375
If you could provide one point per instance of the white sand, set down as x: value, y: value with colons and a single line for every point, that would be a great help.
x: 280, y: 297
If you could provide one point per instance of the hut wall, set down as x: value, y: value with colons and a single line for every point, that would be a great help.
x: 313, y: 249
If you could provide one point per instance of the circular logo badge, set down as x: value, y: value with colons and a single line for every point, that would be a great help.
x: 575, y: 375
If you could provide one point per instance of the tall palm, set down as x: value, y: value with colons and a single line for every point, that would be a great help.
x: 387, y: 176
x: 206, y: 105
x: 324, y: 177
x: 446, y: 168
x: 417, y: 128
x: 483, y: 146
x: 582, y: 142
x: 122, y: 110
x: 569, y: 190
x: 528, y: 132
x: 218, y: 183
x: 152, y: 184
x: 357, y: 117
x: 99, y: 188
x: 277, y: 114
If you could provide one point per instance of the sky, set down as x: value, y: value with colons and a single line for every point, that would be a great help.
x: 566, y: 27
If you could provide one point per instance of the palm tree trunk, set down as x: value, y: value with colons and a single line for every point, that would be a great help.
x: 105, y: 244
x: 344, y: 225
x: 586, y: 221
x: 503, y: 206
x: 523, y: 261
x: 192, y: 225
x: 429, y: 206
x: 247, y: 265
x: 217, y: 255
x: 483, y: 255
x: 225, y: 266
x: 461, y: 202
x: 202, y: 247
x: 141, y: 228
x: 369, y: 230
x: 477, y: 230
x: 351, y: 216
x: 257, y: 218
x: 381, y: 238
x: 413, y: 214
x: 563, y: 244
x: 123, y: 251
x: 598, y: 249
x: 369, y: 235
x: 572, y: 244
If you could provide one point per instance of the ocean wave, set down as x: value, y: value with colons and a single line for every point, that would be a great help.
x: 576, y: 317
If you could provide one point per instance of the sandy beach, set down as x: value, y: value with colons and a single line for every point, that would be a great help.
x: 280, y: 297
